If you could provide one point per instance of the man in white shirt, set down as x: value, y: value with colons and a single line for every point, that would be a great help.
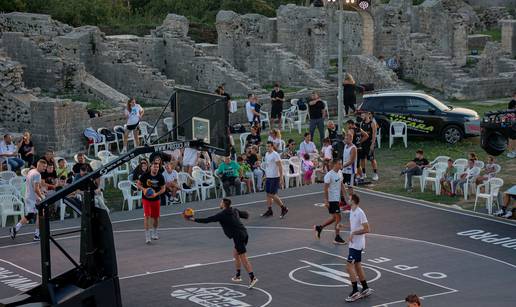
x: 358, y: 227
x: 333, y: 187
x: 9, y: 153
x: 273, y: 180
x: 33, y: 195
x: 470, y: 173
x: 307, y: 146
x: 250, y: 110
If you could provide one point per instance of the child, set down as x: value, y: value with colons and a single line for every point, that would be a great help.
x: 170, y: 175
x: 245, y: 172
x: 447, y: 178
x: 490, y: 170
x: 327, y: 154
x: 308, y: 168
x: 62, y: 168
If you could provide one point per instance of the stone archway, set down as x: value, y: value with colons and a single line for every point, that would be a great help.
x: 367, y: 30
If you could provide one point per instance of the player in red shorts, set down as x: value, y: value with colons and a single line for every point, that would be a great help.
x: 152, y: 184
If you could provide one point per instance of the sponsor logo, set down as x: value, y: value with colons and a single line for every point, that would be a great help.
x: 488, y: 237
x: 412, y: 123
x: 221, y: 295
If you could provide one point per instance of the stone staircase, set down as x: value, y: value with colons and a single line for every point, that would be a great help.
x: 97, y: 88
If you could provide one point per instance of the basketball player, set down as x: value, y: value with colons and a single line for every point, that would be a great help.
x: 229, y: 219
x: 367, y: 153
x: 152, y: 185
x: 33, y: 195
x: 349, y: 161
x: 273, y: 180
x: 333, y: 188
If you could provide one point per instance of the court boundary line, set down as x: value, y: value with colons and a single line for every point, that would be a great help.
x: 20, y: 268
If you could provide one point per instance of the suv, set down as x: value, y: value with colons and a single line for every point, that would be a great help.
x: 423, y: 114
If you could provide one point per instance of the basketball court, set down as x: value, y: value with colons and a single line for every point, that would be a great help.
x: 449, y: 257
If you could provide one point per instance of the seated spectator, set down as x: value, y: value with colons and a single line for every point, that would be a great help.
x: 142, y: 168
x: 307, y: 146
x: 48, y: 156
x: 62, y: 168
x: 327, y: 154
x: 254, y: 138
x: 447, y: 179
x: 489, y: 170
x: 307, y: 169
x: 507, y: 197
x: 204, y: 161
x: 81, y: 161
x: 9, y: 153
x: 245, y: 172
x: 415, y: 167
x: 99, y: 198
x: 470, y: 173
x: 49, y: 177
x: 26, y: 148
x: 290, y: 151
x: 275, y: 138
x: 473, y: 156
x: 190, y: 159
x: 254, y: 162
x: 170, y: 175
x: 229, y: 172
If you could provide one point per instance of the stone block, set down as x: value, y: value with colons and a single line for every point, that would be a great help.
x: 478, y: 41
x: 509, y: 36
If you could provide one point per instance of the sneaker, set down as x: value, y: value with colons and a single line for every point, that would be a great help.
x: 147, y: 241
x: 253, y: 282
x: 409, y: 190
x: 267, y: 213
x: 511, y: 154
x: 500, y: 212
x: 353, y: 296
x: 237, y: 278
x: 36, y: 238
x: 339, y: 240
x: 318, y: 229
x: 12, y: 232
x: 175, y: 200
x: 366, y: 292
x: 507, y: 215
x: 155, y: 236
x: 375, y: 177
x: 284, y: 212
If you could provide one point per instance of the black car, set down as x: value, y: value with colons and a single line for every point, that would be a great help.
x: 423, y: 114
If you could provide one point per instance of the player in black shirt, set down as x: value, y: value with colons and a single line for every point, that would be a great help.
x: 359, y: 137
x: 152, y: 185
x: 367, y: 151
x: 277, y: 99
x: 229, y: 219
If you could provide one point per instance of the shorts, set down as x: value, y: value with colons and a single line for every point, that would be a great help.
x: 31, y: 216
x: 241, y: 243
x: 151, y: 208
x: 132, y: 127
x: 366, y: 154
x: 276, y: 112
x: 354, y: 256
x: 272, y: 185
x: 334, y: 207
x: 348, y: 179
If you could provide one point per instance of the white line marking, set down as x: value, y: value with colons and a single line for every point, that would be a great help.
x: 189, y: 266
x: 269, y: 296
x: 21, y: 268
x: 421, y: 297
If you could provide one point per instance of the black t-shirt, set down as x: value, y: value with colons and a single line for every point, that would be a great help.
x: 368, y: 128
x: 49, y: 178
x: 350, y: 96
x: 316, y: 110
x: 421, y: 162
x: 253, y: 139
x: 512, y: 104
x: 332, y: 134
x: 25, y: 148
x: 76, y: 169
x: 277, y: 103
x: 251, y: 160
x: 357, y: 137
x: 154, y: 182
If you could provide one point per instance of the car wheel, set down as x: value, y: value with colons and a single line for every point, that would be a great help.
x: 452, y: 134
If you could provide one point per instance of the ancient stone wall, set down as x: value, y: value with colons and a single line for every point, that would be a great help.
x: 32, y: 24
x: 368, y: 69
x: 491, y: 3
x: 392, y: 28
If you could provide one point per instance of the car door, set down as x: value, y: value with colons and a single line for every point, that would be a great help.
x: 394, y: 110
x: 423, y: 117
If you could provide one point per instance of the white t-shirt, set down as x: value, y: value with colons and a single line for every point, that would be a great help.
x: 334, y: 179
x: 327, y: 152
x: 7, y: 149
x: 249, y: 108
x: 33, y: 177
x: 357, y: 217
x: 275, y: 141
x: 307, y: 148
x: 271, y: 169
x: 169, y: 177
x: 133, y: 116
x: 190, y: 157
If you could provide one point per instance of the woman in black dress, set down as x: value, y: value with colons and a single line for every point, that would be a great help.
x: 350, y: 97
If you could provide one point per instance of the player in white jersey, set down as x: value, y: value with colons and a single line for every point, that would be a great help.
x: 358, y: 227
x: 349, y: 161
x: 333, y: 187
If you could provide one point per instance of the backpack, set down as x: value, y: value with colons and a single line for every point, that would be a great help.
x: 92, y: 135
x: 110, y: 136
x: 301, y: 104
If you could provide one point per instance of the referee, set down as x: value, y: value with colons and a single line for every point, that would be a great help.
x: 229, y: 219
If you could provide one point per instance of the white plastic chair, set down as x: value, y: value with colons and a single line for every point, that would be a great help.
x: 182, y: 179
x: 421, y: 179
x: 288, y: 117
x: 470, y: 182
x: 146, y: 133
x: 105, y: 156
x: 243, y: 138
x: 437, y: 170
x: 125, y: 186
x: 397, y: 130
x: 119, y: 130
x: 19, y: 183
x: 492, y: 188
x: 5, y: 176
x: 287, y: 176
x: 379, y: 137
x: 205, y: 182
x: 442, y: 159
x: 169, y: 123
x: 10, y: 205
x: 479, y: 164
x: 264, y: 118
x: 96, y: 146
x: 7, y: 189
x: 115, y: 141
x: 460, y: 165
x: 25, y: 171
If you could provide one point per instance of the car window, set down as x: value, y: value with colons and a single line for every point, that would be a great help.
x: 415, y: 104
x: 393, y: 104
x: 372, y: 104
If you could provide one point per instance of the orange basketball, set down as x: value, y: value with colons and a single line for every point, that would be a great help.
x: 188, y: 213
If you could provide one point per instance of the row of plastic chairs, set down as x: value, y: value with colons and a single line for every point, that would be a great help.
x: 11, y: 198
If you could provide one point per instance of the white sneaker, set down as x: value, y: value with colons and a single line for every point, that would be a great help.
x: 511, y: 154
x: 236, y: 278
x: 353, y: 297
x: 508, y: 214
x: 253, y: 282
x: 155, y: 236
x: 375, y: 177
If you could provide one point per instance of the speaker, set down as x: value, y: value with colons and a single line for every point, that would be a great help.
x: 493, y: 142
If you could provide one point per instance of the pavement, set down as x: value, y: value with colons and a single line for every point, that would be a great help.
x: 449, y: 257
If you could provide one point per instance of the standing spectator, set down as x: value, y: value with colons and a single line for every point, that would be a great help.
x: 190, y: 158
x: 470, y: 173
x: 511, y: 149
x: 367, y: 149
x: 349, y: 161
x: 250, y: 109
x: 415, y: 167
x: 327, y: 154
x: 350, y: 97
x: 142, y: 168
x: 9, y: 152
x: 277, y: 99
x: 359, y: 138
x: 290, y: 151
x: 307, y: 146
x: 133, y: 113
x: 254, y: 138
x: 316, y: 111
x: 229, y: 172
x: 447, y: 179
x: 273, y: 181
x: 26, y: 148
x: 275, y: 138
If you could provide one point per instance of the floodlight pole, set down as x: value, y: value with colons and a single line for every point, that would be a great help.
x: 340, y: 94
